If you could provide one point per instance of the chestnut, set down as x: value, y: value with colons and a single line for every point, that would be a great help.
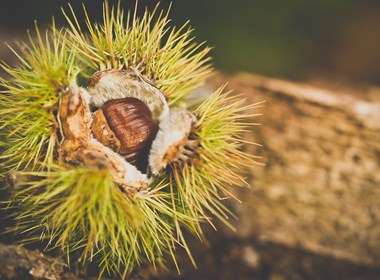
x: 126, y: 126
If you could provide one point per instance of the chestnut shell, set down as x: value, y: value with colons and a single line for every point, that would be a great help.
x: 126, y: 126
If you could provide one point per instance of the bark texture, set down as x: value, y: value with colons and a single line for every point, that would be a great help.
x: 20, y: 263
x: 320, y: 186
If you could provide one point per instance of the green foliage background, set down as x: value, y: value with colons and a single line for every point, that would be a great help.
x: 288, y: 38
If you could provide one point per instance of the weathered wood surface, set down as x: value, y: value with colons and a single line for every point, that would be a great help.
x: 20, y: 263
x: 320, y: 187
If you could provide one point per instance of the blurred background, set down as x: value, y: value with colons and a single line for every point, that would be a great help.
x: 289, y: 38
x: 313, y: 212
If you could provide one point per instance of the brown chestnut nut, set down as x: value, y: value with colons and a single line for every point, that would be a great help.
x: 126, y: 126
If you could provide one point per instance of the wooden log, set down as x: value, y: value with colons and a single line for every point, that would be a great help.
x: 320, y: 187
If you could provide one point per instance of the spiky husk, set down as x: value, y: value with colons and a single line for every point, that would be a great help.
x: 201, y: 186
x: 167, y: 57
x: 82, y: 213
x: 79, y: 210
x: 30, y: 98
